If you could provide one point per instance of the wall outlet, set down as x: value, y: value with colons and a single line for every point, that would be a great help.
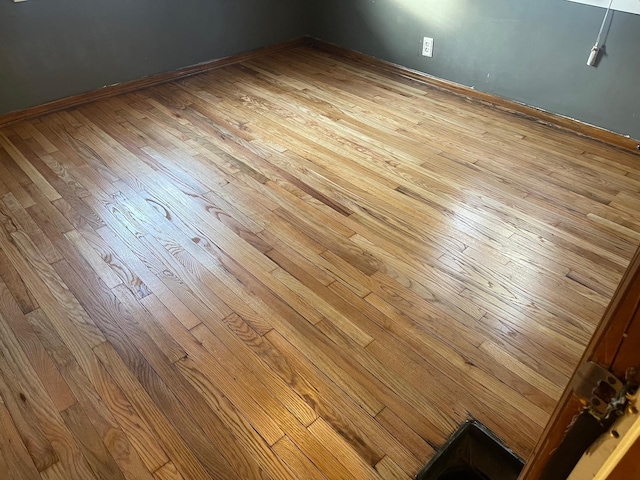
x: 427, y: 47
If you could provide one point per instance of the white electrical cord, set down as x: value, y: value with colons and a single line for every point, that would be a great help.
x: 596, y: 48
x: 606, y: 15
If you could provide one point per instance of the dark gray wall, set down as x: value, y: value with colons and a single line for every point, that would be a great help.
x: 531, y: 51
x: 51, y: 49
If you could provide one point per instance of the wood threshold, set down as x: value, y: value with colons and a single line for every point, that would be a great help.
x: 510, y: 106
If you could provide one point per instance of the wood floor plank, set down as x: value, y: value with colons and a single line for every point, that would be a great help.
x: 179, y: 452
x: 288, y: 268
x: 211, y: 372
x: 536, y: 415
x: 297, y: 265
x: 31, y: 391
x: 353, y: 462
x: 171, y: 349
x: 29, y: 169
x: 168, y: 472
x: 296, y: 460
x: 246, y: 437
x: 112, y: 317
x: 269, y: 385
x: 159, y: 279
x: 27, y: 130
x: 91, y: 256
x: 406, y: 435
x: 14, y: 457
x: 10, y: 184
x: 48, y: 287
x: 389, y: 470
x: 43, y: 365
x: 16, y: 286
x: 219, y: 254
x: 104, y: 403
x: 125, y: 435
x: 28, y: 431
x: 95, y: 452
x: 24, y: 222
x: 54, y: 472
x: 45, y: 209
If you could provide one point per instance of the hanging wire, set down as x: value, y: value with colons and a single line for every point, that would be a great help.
x: 606, y: 16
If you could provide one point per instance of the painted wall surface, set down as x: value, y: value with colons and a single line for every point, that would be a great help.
x: 531, y: 51
x: 50, y: 49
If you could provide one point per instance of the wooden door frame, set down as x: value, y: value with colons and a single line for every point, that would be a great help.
x: 614, y: 346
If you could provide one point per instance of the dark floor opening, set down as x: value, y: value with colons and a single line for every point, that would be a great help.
x: 473, y: 453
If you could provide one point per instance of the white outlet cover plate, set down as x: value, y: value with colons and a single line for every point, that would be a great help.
x: 427, y: 47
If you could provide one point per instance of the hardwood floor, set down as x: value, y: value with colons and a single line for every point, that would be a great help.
x: 296, y: 267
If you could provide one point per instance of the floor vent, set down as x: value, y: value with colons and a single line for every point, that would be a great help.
x: 473, y: 453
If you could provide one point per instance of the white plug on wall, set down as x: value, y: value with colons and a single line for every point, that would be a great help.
x: 593, y: 56
x: 427, y: 47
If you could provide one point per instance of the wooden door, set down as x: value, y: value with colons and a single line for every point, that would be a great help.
x: 615, y: 346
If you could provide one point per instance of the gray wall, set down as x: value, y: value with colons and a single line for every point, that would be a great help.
x: 51, y: 49
x: 531, y: 51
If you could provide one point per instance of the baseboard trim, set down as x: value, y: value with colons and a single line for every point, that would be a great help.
x: 510, y: 106
x: 138, y: 84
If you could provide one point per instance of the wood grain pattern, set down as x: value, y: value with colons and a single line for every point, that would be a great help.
x: 30, y: 391
x: 41, y: 362
x: 300, y: 266
x: 92, y: 447
x: 27, y: 428
x: 16, y: 286
x: 612, y: 346
x: 389, y: 470
x: 168, y: 472
x: 14, y: 457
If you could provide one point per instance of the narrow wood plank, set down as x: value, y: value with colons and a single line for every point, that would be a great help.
x: 296, y: 460
x: 341, y: 449
x: 389, y: 470
x: 29, y: 169
x: 92, y: 257
x: 181, y: 455
x: 44, y: 283
x: 90, y: 443
x: 16, y: 286
x: 24, y: 222
x: 105, y: 404
x: 62, y: 440
x: 10, y: 184
x: 25, y: 424
x: 113, y: 317
x: 14, y: 457
x: 168, y: 472
x: 171, y: 349
x: 44, y: 367
x: 54, y: 472
x: 406, y: 435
